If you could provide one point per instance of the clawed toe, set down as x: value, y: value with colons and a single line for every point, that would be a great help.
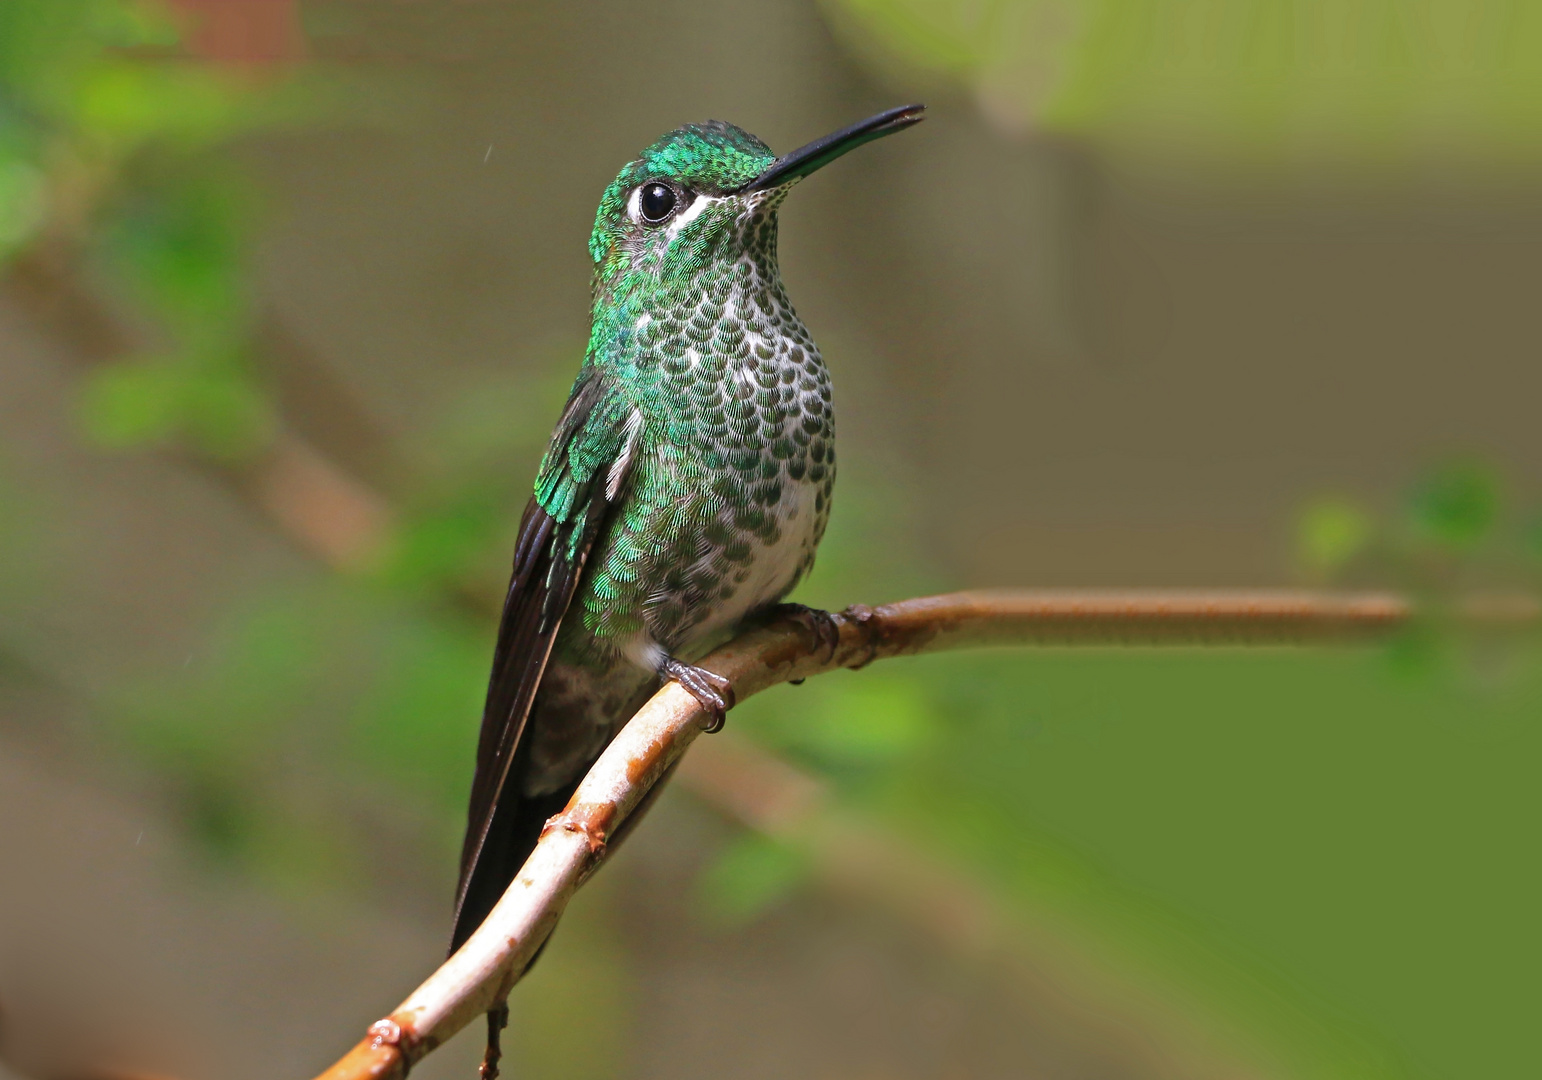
x: 712, y: 692
x: 823, y: 628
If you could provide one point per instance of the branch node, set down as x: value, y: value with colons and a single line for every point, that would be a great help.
x: 386, y: 1032
x: 867, y: 621
x: 594, y: 836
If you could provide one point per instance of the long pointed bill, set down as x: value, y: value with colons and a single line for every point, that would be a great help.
x: 821, y: 152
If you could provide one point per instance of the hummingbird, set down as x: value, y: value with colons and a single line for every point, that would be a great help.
x: 684, y: 491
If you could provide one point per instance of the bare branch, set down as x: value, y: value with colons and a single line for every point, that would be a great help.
x: 478, y: 977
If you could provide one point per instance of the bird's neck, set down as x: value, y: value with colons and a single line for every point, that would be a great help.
x: 723, y: 313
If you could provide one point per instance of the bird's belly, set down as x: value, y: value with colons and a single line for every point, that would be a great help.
x: 770, y: 573
x: 576, y: 713
x: 581, y: 704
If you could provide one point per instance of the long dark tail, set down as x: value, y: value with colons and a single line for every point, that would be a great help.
x: 515, y: 828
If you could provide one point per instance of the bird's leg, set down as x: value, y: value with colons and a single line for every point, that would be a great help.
x: 711, y: 691
x: 497, y: 1020
x: 822, y: 627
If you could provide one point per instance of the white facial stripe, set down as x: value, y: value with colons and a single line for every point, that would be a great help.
x: 634, y: 204
x: 690, y: 214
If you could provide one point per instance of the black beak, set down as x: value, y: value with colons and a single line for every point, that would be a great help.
x: 821, y: 152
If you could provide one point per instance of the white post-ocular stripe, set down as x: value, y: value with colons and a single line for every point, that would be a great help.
x: 682, y: 219
x: 690, y: 214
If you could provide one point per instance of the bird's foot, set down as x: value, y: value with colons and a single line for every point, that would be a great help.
x: 822, y: 627
x: 712, y: 692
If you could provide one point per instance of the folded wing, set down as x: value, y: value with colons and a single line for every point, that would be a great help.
x: 582, y: 477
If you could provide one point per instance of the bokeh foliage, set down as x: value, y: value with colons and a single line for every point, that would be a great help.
x: 114, y: 151
x: 1360, y: 80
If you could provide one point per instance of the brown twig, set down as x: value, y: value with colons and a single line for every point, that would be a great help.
x: 573, y: 843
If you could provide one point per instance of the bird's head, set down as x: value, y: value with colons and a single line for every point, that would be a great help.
x: 704, y: 195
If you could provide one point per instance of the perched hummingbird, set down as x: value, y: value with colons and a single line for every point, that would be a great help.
x: 683, y: 492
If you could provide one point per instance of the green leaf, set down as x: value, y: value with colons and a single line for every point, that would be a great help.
x: 221, y: 411
x: 1455, y: 506
x: 226, y: 414
x: 1331, y: 532
x: 752, y: 875
x: 850, y: 723
x: 1533, y: 537
x: 22, y: 202
x: 181, y: 246
x: 1354, y: 79
x: 414, y: 723
x: 446, y: 545
x: 128, y: 405
x: 127, y: 103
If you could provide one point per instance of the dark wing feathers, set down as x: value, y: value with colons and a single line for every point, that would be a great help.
x: 558, y: 530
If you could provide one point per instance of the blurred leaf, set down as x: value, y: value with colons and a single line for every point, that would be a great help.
x: 127, y: 405
x: 446, y: 547
x: 415, y: 719
x: 1356, y: 78
x: 1331, y: 532
x: 48, y: 46
x: 1533, y: 537
x: 107, y: 71
x: 181, y: 245
x: 22, y: 206
x: 270, y: 662
x: 226, y: 414
x: 266, y: 703
x: 294, y: 850
x: 851, y: 724
x: 945, y: 35
x: 749, y: 877
x: 1419, y: 650
x: 501, y: 420
x: 872, y: 548
x: 129, y: 103
x: 212, y: 808
x: 1456, y: 506
x: 221, y: 411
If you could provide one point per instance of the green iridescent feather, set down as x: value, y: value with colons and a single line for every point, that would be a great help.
x: 686, y: 486
x: 694, y: 330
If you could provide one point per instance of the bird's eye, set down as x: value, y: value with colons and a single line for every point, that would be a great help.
x: 657, y: 202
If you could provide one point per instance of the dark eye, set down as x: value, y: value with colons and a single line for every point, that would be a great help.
x: 658, y: 201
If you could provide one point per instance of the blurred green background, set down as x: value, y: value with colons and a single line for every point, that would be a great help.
x: 1163, y: 294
